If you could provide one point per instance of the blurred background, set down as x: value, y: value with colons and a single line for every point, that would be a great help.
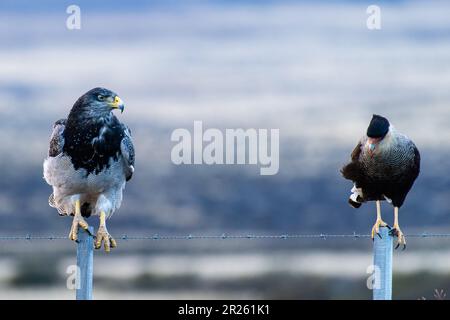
x: 309, y: 68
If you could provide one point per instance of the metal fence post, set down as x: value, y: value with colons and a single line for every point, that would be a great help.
x: 85, y: 263
x: 382, y: 260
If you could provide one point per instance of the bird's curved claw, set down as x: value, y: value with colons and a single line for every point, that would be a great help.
x: 104, y: 237
x: 401, y: 240
x: 376, y: 228
x: 78, y: 221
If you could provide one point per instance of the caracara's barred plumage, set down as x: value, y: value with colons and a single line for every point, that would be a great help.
x: 384, y: 165
x: 90, y: 158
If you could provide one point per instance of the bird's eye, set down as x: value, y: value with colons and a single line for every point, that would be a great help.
x: 100, y: 97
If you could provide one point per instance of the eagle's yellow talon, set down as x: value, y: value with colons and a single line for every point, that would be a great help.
x: 113, y: 243
x: 83, y: 224
x: 107, y: 248
x: 98, y: 243
x: 72, y: 235
x: 78, y: 221
x: 104, y: 237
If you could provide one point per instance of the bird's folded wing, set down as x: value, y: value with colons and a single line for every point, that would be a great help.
x: 57, y: 138
x: 127, y: 149
x: 357, y: 151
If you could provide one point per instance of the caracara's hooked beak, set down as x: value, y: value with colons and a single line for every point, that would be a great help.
x: 118, y: 104
x: 372, y: 144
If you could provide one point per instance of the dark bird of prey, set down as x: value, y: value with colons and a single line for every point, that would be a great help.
x: 384, y: 166
x: 91, y: 156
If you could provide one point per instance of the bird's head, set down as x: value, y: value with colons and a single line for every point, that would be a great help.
x: 99, y: 101
x: 376, y: 132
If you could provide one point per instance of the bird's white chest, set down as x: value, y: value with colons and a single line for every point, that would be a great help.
x: 60, y: 173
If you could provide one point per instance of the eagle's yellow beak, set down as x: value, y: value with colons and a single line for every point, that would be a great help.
x: 117, y: 104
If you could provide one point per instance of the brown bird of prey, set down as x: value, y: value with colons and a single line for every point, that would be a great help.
x: 91, y: 156
x: 384, y: 166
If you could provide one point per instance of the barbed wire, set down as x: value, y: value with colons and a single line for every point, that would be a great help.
x: 224, y: 236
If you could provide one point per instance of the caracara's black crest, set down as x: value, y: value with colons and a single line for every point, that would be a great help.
x: 378, y: 127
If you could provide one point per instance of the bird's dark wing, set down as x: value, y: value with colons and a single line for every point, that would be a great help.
x: 57, y: 138
x: 356, y: 152
x: 127, y: 149
x: 352, y: 171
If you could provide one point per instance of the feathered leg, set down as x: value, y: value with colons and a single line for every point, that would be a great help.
x: 78, y: 221
x: 378, y: 223
x: 401, y: 240
x: 104, y: 236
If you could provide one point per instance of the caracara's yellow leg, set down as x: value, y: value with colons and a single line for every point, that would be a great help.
x: 401, y: 240
x: 104, y: 236
x: 379, y: 223
x: 78, y: 221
